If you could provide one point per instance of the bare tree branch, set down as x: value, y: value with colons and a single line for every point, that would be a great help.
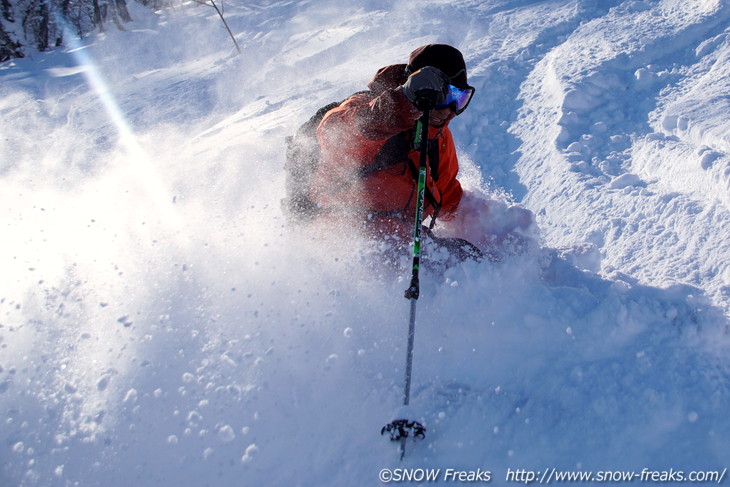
x: 220, y: 14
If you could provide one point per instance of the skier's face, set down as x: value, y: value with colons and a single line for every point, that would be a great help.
x: 441, y: 117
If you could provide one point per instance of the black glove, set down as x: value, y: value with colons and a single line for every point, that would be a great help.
x: 427, y: 88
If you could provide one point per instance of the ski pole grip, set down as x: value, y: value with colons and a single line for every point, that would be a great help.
x: 426, y: 99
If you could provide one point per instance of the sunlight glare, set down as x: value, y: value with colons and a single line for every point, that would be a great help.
x: 141, y: 165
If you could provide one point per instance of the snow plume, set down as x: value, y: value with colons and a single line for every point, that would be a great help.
x: 176, y: 330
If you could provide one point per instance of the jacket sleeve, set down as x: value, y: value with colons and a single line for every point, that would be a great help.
x: 356, y: 130
x: 451, y: 191
x: 386, y: 115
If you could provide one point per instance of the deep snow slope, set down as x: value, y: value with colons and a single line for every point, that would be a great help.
x: 162, y: 324
x: 637, y: 105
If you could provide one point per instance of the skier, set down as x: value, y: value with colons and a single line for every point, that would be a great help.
x: 368, y: 165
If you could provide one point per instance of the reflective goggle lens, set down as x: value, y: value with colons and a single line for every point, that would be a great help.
x: 457, y: 98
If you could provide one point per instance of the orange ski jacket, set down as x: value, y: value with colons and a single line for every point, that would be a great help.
x: 368, y: 165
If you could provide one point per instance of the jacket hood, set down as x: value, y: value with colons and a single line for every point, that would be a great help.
x: 388, y: 78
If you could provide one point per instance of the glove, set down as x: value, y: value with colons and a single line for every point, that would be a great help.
x: 427, y: 88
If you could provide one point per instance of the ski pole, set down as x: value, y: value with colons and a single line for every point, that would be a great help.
x: 399, y: 428
x: 414, y: 289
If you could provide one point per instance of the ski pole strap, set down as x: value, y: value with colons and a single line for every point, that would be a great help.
x: 420, y: 138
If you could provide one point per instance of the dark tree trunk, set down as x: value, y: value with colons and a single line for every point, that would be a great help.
x: 98, y: 18
x: 7, y: 11
x: 123, y: 11
x: 41, y: 27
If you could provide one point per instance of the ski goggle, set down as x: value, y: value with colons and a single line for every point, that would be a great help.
x: 457, y: 99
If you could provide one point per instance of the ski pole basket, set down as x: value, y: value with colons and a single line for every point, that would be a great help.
x: 401, y: 429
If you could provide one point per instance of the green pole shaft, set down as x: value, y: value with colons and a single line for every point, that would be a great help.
x: 414, y: 289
